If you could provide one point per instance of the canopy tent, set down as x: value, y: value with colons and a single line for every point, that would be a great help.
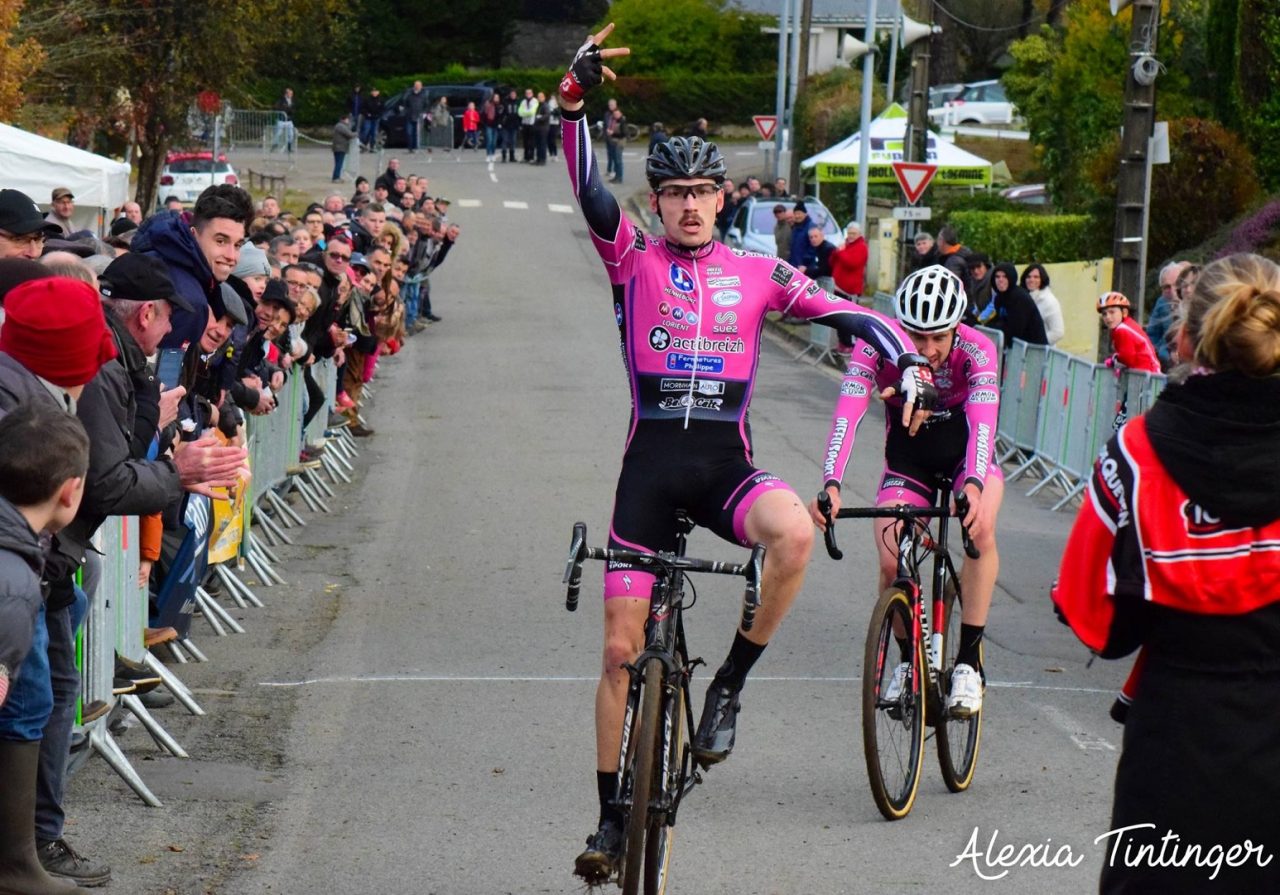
x: 37, y: 165
x: 839, y: 163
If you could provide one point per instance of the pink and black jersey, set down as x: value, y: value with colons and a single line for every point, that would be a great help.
x: 690, y: 320
x: 967, y: 384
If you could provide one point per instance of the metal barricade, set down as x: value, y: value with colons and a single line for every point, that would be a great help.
x: 440, y: 136
x: 1077, y: 440
x: 883, y: 302
x: 997, y: 339
x: 252, y: 127
x: 1030, y: 403
x: 325, y: 375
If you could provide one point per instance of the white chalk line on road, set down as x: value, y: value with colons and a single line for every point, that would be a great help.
x: 1075, y: 731
x: 468, y: 203
x: 513, y: 204
x: 577, y: 679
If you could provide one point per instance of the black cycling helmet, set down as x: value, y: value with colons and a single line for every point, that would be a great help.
x: 682, y: 157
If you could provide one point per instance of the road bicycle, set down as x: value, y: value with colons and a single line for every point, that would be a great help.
x: 901, y: 631
x: 656, y: 766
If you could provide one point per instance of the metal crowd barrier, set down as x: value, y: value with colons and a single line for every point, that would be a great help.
x: 253, y: 127
x: 119, y: 609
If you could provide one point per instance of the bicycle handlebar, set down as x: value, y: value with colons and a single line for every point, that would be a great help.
x: 902, y: 513
x: 752, y: 570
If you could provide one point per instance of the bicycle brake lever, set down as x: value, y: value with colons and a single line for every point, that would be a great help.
x: 573, y: 569
x: 829, y: 534
x: 962, y: 510
x: 751, y: 598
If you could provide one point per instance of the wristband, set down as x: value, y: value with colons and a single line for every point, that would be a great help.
x: 585, y: 72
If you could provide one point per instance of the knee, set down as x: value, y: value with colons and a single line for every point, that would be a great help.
x: 788, y: 550
x: 620, y: 648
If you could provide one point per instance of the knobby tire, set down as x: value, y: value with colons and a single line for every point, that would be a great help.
x: 657, y: 857
x: 892, y: 736
x: 958, y: 738
x: 644, y: 751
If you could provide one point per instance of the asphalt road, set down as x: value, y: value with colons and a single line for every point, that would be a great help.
x: 412, y: 714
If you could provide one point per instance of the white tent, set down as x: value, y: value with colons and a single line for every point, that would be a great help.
x: 839, y: 163
x: 37, y: 165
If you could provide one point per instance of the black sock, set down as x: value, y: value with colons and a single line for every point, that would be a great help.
x: 742, y: 655
x: 607, y: 786
x: 970, y: 651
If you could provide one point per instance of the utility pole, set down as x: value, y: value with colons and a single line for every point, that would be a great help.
x: 864, y: 136
x: 780, y: 126
x: 1131, y: 185
x: 802, y: 65
x: 915, y: 144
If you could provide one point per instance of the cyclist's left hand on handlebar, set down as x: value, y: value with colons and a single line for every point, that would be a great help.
x: 588, y: 69
x: 978, y: 519
x: 917, y: 391
x: 816, y: 515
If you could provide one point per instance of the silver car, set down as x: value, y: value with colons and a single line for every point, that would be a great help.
x: 751, y: 226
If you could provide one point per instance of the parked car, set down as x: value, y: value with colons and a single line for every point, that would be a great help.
x: 187, y: 175
x: 982, y: 102
x: 751, y: 227
x: 391, y: 125
x: 1027, y: 194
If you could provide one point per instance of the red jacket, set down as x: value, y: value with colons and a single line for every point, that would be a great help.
x: 849, y: 266
x: 1133, y: 348
x: 470, y: 120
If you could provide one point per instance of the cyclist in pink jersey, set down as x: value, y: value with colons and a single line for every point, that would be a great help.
x: 957, y: 441
x: 690, y: 315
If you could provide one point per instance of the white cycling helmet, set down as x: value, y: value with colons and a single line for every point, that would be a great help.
x: 930, y: 300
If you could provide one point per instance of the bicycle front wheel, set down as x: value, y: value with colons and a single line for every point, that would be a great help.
x: 957, y: 737
x: 644, y: 777
x: 657, y: 856
x: 893, y: 723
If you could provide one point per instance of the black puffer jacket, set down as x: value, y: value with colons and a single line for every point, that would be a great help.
x: 21, y: 559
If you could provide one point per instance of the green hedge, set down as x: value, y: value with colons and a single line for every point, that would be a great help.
x: 1022, y: 236
x: 675, y: 98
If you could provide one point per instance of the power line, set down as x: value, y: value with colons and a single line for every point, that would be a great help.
x: 971, y: 26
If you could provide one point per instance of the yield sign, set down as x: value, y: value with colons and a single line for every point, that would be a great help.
x: 914, y: 178
x: 766, y: 125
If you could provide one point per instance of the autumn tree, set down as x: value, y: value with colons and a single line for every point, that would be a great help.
x: 18, y: 60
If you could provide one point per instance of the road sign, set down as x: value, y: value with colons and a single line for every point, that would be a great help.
x: 912, y: 213
x: 914, y: 178
x: 766, y: 125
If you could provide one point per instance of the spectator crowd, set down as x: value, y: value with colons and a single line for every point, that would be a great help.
x: 132, y: 361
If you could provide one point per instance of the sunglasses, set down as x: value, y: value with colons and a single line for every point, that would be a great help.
x: 338, y: 256
x: 698, y: 190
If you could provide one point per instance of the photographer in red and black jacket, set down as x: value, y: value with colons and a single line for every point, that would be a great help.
x: 1177, y: 550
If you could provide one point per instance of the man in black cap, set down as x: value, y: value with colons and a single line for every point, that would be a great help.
x: 122, y: 409
x: 23, y: 228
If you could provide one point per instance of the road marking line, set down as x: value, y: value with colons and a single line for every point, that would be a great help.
x: 745, y: 153
x: 573, y: 679
x: 510, y: 204
x: 468, y: 203
x: 562, y: 209
x: 1086, y: 741
x: 493, y: 177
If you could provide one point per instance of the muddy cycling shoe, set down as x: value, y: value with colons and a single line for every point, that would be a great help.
x: 598, y: 863
x: 714, y: 740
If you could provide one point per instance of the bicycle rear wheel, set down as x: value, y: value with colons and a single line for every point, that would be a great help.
x: 892, y: 731
x: 644, y: 776
x: 957, y: 737
x: 657, y: 855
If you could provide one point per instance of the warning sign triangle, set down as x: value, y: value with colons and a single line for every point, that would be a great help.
x: 914, y: 178
x: 765, y: 124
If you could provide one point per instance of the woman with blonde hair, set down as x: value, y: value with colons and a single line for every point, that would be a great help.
x: 392, y: 239
x: 1177, y: 551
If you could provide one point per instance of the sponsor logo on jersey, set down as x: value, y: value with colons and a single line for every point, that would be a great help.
x: 893, y: 482
x: 744, y: 253
x: 675, y: 324
x: 659, y: 339
x: 726, y: 298
x: 667, y: 290
x: 707, y: 363
x: 971, y: 348
x: 664, y: 308
x: 984, y: 396
x: 698, y: 401
x: 727, y: 317
x: 1110, y: 471
x: 715, y: 282
x: 617, y: 312
x: 714, y: 270
x: 677, y: 313
x: 626, y: 582
x: 838, y: 433
x: 692, y: 317
x: 702, y: 343
x: 987, y: 379
x: 1203, y: 524
x: 701, y: 386
x: 942, y: 379
x: 782, y: 274
x: 869, y: 351
x: 982, y: 451
x: 638, y: 242
x: 681, y: 278
x: 812, y: 290
x: 853, y: 390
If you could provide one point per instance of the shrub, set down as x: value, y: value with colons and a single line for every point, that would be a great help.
x: 1028, y: 236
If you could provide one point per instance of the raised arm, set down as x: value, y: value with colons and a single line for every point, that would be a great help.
x: 610, y: 230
